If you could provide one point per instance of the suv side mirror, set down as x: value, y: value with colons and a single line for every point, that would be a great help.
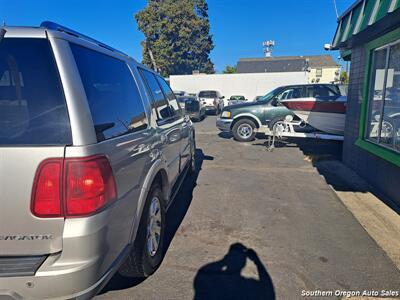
x: 223, y: 97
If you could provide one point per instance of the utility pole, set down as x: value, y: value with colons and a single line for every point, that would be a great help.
x: 153, y: 61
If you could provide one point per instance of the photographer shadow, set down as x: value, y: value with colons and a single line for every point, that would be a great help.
x: 223, y: 280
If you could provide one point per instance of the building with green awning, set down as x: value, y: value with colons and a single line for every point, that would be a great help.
x: 368, y: 35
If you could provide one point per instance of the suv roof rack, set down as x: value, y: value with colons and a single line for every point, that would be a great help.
x: 54, y: 26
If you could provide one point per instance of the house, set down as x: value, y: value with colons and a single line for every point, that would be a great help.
x: 320, y: 68
x: 368, y: 35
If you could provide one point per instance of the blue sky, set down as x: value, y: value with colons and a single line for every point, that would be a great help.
x: 299, y: 27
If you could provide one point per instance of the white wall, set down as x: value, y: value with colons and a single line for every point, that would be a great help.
x: 248, y: 85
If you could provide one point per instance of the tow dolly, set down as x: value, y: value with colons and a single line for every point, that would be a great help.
x: 286, y: 128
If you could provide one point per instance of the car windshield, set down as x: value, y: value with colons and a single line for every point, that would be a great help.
x: 237, y: 98
x: 184, y: 99
x: 270, y: 95
x: 208, y: 94
x: 179, y: 93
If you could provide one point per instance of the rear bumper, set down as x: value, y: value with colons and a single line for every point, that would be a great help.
x: 80, y: 271
x: 224, y: 124
x: 71, y: 283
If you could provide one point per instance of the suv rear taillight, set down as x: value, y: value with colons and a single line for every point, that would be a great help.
x: 46, y: 195
x: 72, y: 187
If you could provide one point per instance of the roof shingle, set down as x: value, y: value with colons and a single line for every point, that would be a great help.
x: 284, y: 63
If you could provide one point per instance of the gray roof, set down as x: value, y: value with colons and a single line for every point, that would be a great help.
x: 284, y: 63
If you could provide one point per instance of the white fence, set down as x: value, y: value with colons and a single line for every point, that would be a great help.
x: 248, y: 85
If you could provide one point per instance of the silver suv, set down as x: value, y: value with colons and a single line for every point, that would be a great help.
x: 93, y: 148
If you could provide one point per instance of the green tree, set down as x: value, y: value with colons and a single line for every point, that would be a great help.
x: 344, y: 77
x: 230, y: 69
x: 177, y: 36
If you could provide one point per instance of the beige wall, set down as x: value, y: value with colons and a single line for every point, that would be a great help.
x: 328, y: 75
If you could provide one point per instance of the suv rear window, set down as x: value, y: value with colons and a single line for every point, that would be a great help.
x: 208, y: 94
x: 32, y: 103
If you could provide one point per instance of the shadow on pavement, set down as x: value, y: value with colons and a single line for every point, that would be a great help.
x: 223, y: 280
x: 229, y: 135
x: 199, y: 120
x: 326, y: 157
x: 225, y: 135
x: 178, y: 209
x: 175, y: 216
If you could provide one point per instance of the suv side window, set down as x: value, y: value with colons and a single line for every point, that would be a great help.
x: 160, y: 103
x: 175, y: 108
x: 321, y: 91
x: 309, y: 92
x: 291, y: 93
x: 113, y: 97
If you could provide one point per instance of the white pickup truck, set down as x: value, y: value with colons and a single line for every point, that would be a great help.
x: 212, y: 100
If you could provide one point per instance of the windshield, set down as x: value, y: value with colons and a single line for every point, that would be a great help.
x: 184, y: 99
x: 270, y: 95
x: 208, y: 94
x: 179, y: 93
x: 237, y: 98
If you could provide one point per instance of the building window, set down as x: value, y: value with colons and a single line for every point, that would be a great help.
x: 383, y: 111
x: 318, y: 72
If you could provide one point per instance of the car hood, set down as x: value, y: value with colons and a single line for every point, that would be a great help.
x: 234, y: 106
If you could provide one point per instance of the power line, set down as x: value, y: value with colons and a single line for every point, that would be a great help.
x: 336, y: 11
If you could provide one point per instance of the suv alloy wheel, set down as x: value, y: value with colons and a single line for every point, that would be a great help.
x: 147, y: 251
x: 244, y: 130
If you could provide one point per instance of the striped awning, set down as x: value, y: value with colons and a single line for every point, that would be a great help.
x: 362, y: 15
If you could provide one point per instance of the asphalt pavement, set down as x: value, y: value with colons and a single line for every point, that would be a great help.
x: 260, y: 225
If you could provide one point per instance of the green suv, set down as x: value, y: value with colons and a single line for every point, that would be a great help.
x: 244, y: 120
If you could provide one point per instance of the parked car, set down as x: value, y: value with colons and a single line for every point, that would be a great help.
x: 212, y: 100
x: 90, y: 162
x: 179, y: 93
x: 195, y: 109
x: 181, y: 101
x: 192, y: 107
x: 237, y: 99
x: 243, y: 120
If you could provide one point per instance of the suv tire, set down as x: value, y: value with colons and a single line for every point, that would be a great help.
x: 141, y: 261
x: 244, y: 130
x: 274, y: 121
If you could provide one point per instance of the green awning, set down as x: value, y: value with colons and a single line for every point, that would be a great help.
x: 360, y: 16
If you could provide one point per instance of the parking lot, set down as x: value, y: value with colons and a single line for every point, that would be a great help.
x: 259, y: 225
